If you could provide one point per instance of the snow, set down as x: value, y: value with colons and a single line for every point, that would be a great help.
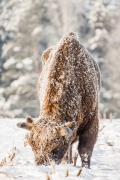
x: 9, y: 62
x: 27, y: 61
x: 36, y: 31
x: 16, y: 49
x: 21, y: 81
x: 105, y: 162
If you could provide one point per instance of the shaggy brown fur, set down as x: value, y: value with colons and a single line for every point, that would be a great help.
x: 68, y: 90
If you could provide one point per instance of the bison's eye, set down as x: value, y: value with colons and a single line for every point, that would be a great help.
x: 54, y: 152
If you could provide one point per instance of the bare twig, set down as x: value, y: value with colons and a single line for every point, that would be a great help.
x: 26, y: 140
x: 3, y: 162
x: 1, y: 172
x: 101, y: 129
x: 75, y: 159
x: 79, y: 172
x: 12, y: 156
x: 67, y: 173
x: 52, y: 165
x: 47, y: 177
x: 110, y: 117
x: 110, y: 143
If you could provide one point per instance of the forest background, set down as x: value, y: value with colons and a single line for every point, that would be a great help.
x: 28, y: 27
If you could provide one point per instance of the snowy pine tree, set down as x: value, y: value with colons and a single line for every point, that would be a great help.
x: 25, y: 21
x: 32, y: 26
x: 29, y: 27
x: 103, y: 17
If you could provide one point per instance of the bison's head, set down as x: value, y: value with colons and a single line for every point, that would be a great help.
x: 47, y: 139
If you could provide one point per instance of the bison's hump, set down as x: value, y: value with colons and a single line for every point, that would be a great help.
x: 69, y: 80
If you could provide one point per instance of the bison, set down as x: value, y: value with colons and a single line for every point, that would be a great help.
x: 68, y: 90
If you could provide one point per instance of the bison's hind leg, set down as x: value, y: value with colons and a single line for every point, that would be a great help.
x: 87, y: 139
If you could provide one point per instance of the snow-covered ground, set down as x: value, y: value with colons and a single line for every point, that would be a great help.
x: 17, y: 161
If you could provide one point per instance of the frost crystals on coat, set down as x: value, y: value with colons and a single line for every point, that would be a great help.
x: 68, y: 90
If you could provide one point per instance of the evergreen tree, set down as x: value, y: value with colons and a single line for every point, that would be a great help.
x: 33, y: 27
x: 102, y: 19
x: 27, y: 26
x: 112, y: 70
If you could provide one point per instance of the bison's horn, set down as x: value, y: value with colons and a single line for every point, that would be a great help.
x: 69, y: 124
x: 65, y: 131
x: 24, y: 125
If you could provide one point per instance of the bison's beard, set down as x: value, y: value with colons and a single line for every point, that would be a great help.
x: 56, y: 154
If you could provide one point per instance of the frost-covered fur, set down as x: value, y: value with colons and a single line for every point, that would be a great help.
x: 68, y: 90
x: 43, y: 139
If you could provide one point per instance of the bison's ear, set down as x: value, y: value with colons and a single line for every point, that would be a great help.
x: 65, y: 131
x: 24, y: 125
x: 29, y: 120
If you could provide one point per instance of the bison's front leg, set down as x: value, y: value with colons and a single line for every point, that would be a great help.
x: 87, y: 139
x: 68, y: 156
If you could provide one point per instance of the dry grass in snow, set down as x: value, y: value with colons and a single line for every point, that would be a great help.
x: 17, y: 159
